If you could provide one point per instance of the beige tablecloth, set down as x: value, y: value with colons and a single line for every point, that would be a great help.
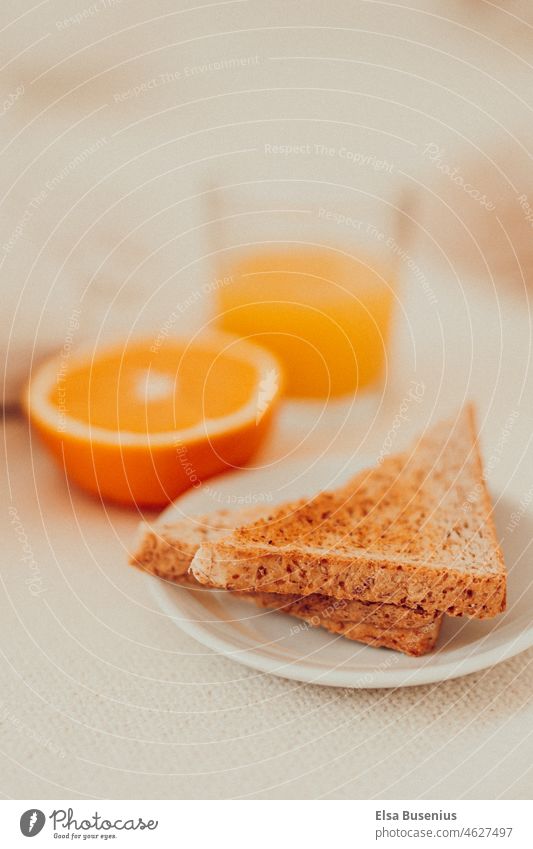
x: 103, y: 696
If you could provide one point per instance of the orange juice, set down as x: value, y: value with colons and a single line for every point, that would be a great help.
x: 325, y: 314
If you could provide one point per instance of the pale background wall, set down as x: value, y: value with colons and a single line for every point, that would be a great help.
x: 120, y: 237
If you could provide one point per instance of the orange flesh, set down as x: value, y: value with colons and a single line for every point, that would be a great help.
x: 141, y: 391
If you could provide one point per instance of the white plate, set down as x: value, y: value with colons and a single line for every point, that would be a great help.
x: 281, y: 645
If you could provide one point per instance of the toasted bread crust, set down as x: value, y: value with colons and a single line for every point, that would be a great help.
x: 167, y: 551
x: 296, y: 571
x: 159, y: 553
x: 414, y: 643
x: 366, y: 626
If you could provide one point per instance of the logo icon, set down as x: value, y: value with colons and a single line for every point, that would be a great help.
x: 32, y: 822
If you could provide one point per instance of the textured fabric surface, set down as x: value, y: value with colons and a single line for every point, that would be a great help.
x: 102, y: 696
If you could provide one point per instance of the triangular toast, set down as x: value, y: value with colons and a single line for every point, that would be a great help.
x: 166, y: 549
x: 416, y: 530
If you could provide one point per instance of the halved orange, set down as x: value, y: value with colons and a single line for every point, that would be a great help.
x: 141, y: 422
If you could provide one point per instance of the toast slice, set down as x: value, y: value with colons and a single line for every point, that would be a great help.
x: 167, y: 549
x: 416, y: 642
x: 416, y: 530
x: 366, y: 626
